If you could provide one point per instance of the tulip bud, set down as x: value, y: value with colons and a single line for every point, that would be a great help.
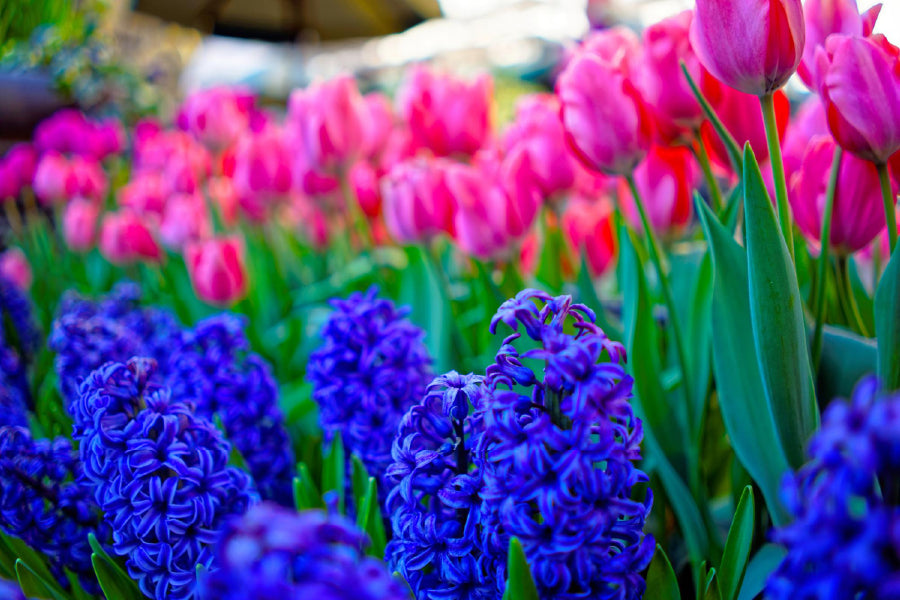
x: 58, y: 178
x: 125, y: 238
x: 15, y: 268
x: 186, y: 219
x: 417, y: 205
x: 751, y: 45
x: 80, y: 224
x: 825, y: 17
x: 262, y: 168
x: 217, y: 270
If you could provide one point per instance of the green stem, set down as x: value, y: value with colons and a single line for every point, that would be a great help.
x: 819, y: 300
x: 767, y: 103
x: 731, y: 146
x: 703, y: 158
x: 462, y: 344
x: 847, y: 290
x: 888, y: 195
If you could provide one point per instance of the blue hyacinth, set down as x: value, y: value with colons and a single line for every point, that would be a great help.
x: 276, y: 553
x: 43, y: 502
x: 434, y: 502
x: 558, y: 453
x: 214, y: 368
x: 371, y: 367
x: 844, y: 542
x: 19, y: 341
x: 160, y: 474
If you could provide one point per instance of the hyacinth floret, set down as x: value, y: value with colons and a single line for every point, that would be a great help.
x: 214, y: 368
x: 44, y: 502
x: 160, y: 474
x: 844, y: 541
x: 273, y: 552
x: 19, y: 340
x: 558, y: 453
x: 371, y: 367
x: 434, y: 484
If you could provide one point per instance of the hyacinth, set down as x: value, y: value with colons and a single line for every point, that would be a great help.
x: 370, y: 368
x: 10, y: 590
x: 44, y: 502
x: 844, y: 541
x: 434, y: 483
x: 558, y: 453
x: 86, y: 334
x: 19, y: 340
x: 272, y: 552
x: 160, y: 474
x: 214, y: 368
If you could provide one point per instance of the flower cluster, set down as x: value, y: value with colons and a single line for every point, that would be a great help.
x: 843, y: 542
x: 558, y: 453
x: 370, y: 369
x: 160, y: 474
x: 43, y: 502
x: 434, y: 483
x: 215, y: 370
x: 273, y: 552
x: 19, y: 339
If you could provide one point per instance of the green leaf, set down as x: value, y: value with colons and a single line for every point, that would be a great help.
x: 359, y: 480
x: 111, y: 562
x: 749, y: 423
x: 760, y: 568
x: 846, y: 358
x: 661, y: 581
x: 549, y: 273
x: 32, y: 559
x: 587, y: 294
x: 368, y: 519
x: 334, y: 471
x: 77, y: 590
x: 35, y: 586
x: 737, y: 547
x: 420, y: 288
x: 520, y: 583
x: 306, y: 495
x: 887, y: 325
x: 776, y: 311
x: 112, y: 581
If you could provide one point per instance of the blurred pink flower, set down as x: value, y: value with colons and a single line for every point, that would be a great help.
x: 619, y: 47
x: 58, y: 178
x: 366, y: 185
x: 217, y: 116
x: 378, y: 123
x: 217, y: 269
x: 824, y: 17
x: 807, y: 123
x: 80, y: 224
x: 126, y: 238
x: 589, y: 229
x: 186, y: 219
x: 417, y: 205
x: 222, y: 193
x: 308, y: 218
x: 69, y: 131
x: 666, y: 181
x: 262, y: 169
x: 146, y: 194
x: 17, y: 169
x: 14, y: 267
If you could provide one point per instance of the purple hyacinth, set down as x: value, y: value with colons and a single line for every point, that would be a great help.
x: 371, y: 367
x: 19, y: 340
x: 214, y: 368
x: 434, y: 484
x: 43, y: 502
x: 160, y: 474
x: 272, y: 552
x: 558, y: 453
x: 10, y: 590
x: 844, y: 541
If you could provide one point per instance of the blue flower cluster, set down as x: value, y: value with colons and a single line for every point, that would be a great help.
x: 434, y: 482
x: 19, y: 340
x: 844, y: 541
x: 371, y: 367
x: 10, y: 591
x: 43, y: 502
x: 275, y: 553
x: 214, y: 369
x: 160, y: 474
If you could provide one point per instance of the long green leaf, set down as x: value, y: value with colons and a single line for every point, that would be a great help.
x: 760, y: 568
x: 112, y: 581
x: 748, y: 421
x: 520, y: 583
x: 846, y: 358
x: 737, y: 547
x: 776, y: 311
x: 32, y: 559
x: 334, y: 471
x: 661, y: 581
x: 887, y: 325
x: 420, y: 288
x: 306, y: 495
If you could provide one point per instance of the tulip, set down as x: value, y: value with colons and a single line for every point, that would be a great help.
x: 145, y: 194
x: 217, y: 269
x: 17, y: 170
x: 186, y: 219
x: 809, y: 122
x: 108, y: 138
x: 262, y: 167
x: 216, y: 116
x: 184, y: 161
x: 58, y: 178
x: 857, y: 212
x: 307, y: 217
x: 825, y: 17
x: 366, y: 188
x: 125, y: 238
x: 378, y: 124
x: 225, y: 199
x: 751, y: 45
x: 417, y: 205
x: 605, y: 117
x: 589, y: 227
x: 618, y: 47
x: 66, y: 132
x: 14, y: 267
x: 80, y: 224
x: 444, y: 114
x: 665, y: 181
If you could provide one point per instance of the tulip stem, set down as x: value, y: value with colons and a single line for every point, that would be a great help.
x: 819, y: 300
x: 889, y: 200
x: 703, y: 158
x: 784, y: 210
x: 731, y: 146
x: 845, y: 289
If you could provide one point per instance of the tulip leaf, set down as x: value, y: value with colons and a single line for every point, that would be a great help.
x: 421, y: 289
x: 737, y: 547
x: 334, y: 470
x: 35, y: 562
x: 748, y: 421
x: 776, y: 312
x: 887, y: 324
x: 760, y: 568
x: 846, y: 358
x: 587, y: 294
x: 520, y: 583
x: 661, y: 581
x: 36, y: 586
x: 76, y: 590
x: 113, y: 582
x: 549, y: 271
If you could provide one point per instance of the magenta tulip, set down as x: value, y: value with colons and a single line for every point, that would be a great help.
x: 378, y: 124
x: 217, y: 270
x: 186, y: 219
x: 126, y: 238
x: 17, y: 170
x: 809, y: 122
x: 14, y: 267
x: 417, y: 205
x: 751, y: 45
x: 58, y: 178
x: 825, y: 17
x: 262, y: 166
x: 619, y: 47
x: 217, y: 116
x: 80, y: 224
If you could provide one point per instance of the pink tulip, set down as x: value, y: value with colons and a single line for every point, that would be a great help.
x: 262, y: 168
x: 58, y: 178
x: 378, y: 124
x: 327, y: 123
x: 175, y: 153
x: 417, y: 204
x: 80, y: 224
x: 538, y: 130
x: 444, y: 114
x: 14, y: 267
x: 146, y: 194
x: 125, y: 238
x: 665, y: 180
x: 108, y: 138
x: 364, y: 181
x: 858, y: 215
x: 618, y: 47
x: 751, y: 45
x: 810, y: 121
x: 69, y: 132
x: 860, y: 86
x: 824, y: 17
x: 17, y: 170
x: 217, y: 116
x: 589, y: 228
x: 606, y: 119
x: 186, y: 219
x: 217, y: 269
x: 224, y: 197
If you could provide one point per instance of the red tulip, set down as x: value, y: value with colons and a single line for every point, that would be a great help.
x: 825, y: 17
x: 125, y: 238
x: 589, y: 228
x: 751, y: 45
x: 217, y: 270
x: 860, y: 86
x: 666, y: 181
x: 80, y: 224
x: 15, y: 268
x: 417, y: 205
